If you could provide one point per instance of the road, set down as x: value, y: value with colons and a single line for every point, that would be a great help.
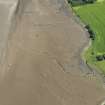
x: 44, y: 59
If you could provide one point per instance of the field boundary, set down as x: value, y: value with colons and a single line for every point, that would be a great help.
x: 89, y: 69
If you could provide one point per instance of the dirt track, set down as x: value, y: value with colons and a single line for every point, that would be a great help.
x: 43, y: 59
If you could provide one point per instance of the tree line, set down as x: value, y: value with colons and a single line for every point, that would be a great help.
x: 79, y: 2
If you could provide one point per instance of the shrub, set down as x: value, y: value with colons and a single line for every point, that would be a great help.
x: 88, y: 1
x: 90, y: 31
x: 104, y: 56
x: 99, y: 58
x: 75, y: 2
x: 87, y: 27
x: 79, y: 2
x: 92, y: 34
x: 69, y: 1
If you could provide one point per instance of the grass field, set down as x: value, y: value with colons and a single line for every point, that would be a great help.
x: 94, y: 15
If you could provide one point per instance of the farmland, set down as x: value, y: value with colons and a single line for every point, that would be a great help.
x: 94, y: 15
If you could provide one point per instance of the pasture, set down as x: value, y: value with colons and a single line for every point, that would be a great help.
x: 94, y: 15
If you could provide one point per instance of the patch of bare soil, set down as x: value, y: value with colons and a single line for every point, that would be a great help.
x: 44, y: 60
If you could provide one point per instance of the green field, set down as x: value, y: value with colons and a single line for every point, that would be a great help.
x: 94, y: 15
